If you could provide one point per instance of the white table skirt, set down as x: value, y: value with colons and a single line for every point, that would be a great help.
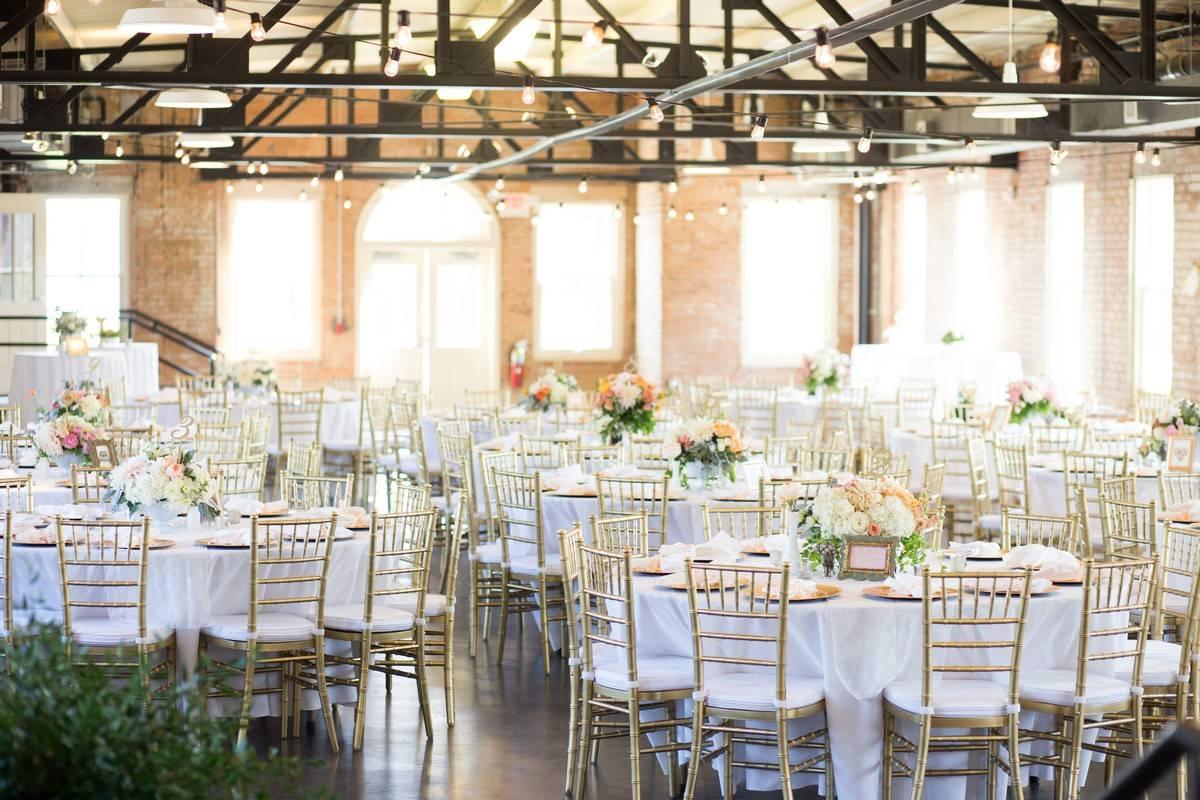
x: 795, y: 404
x: 141, y: 366
x: 919, y: 450
x: 188, y: 585
x: 38, y: 377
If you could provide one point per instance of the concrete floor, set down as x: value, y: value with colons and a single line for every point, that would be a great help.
x: 508, y: 741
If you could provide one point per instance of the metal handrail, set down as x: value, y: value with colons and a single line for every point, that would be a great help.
x: 1183, y: 742
x: 133, y: 317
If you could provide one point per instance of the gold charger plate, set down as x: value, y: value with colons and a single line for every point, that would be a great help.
x: 755, y: 548
x: 678, y: 581
x: 974, y: 589
x: 885, y: 593
x: 648, y: 567
x: 824, y: 592
x: 211, y: 542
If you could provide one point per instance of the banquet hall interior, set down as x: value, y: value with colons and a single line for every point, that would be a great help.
x: 599, y: 398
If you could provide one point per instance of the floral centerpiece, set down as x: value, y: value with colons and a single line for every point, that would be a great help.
x: 548, y: 391
x: 864, y: 507
x: 163, y: 480
x: 625, y: 403
x: 1180, y: 417
x: 66, y: 430
x: 69, y: 324
x: 826, y: 368
x: 706, y: 449
x: 251, y: 375
x: 1030, y: 397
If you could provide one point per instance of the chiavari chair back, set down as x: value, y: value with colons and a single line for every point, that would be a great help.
x: 828, y: 460
x: 299, y: 415
x: 199, y: 382
x: 418, y: 464
x: 256, y: 429
x: 574, y: 420
x: 482, y: 421
x: 458, y: 464
x: 219, y: 441
x: 1129, y: 529
x: 11, y: 448
x: 350, y: 384
x: 1180, y: 575
x: 209, y: 415
x: 884, y: 463
x: 88, y: 484
x: 1058, y: 438
x: 303, y: 458
x: 851, y: 396
x: 523, y: 425
x: 1117, y: 444
x: 618, y: 497
x: 984, y: 522
x: 412, y: 496
x: 10, y: 418
x: 812, y: 430
x: 191, y: 400
x: 779, y: 451
x: 16, y: 495
x: 914, y: 405
x: 402, y: 414
x: 541, y: 452
x: 948, y: 444
x: 1061, y: 533
x: 129, y: 441
x: 617, y: 534
x: 1082, y: 474
x: 240, y: 477
x: 757, y: 411
x: 1122, y: 488
x: 489, y: 462
x: 594, y: 458
x: 648, y: 452
x: 1177, y: 489
x: 874, y: 433
x: 932, y: 478
x: 740, y: 522
x: 485, y: 397
x: 307, y: 492
x: 1012, y: 476
x: 808, y: 488
x: 838, y: 420
x: 1148, y: 405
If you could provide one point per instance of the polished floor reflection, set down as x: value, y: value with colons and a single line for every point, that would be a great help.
x: 507, y: 743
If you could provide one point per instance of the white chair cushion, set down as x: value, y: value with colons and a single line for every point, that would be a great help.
x: 1058, y: 686
x: 105, y: 632
x: 435, y: 604
x: 489, y: 554
x: 26, y: 617
x: 990, y: 522
x: 755, y: 691
x: 384, y: 618
x: 952, y: 698
x: 274, y: 627
x: 341, y: 445
x: 658, y: 674
x: 528, y: 565
x: 387, y: 460
x: 1160, y: 666
x: 410, y: 464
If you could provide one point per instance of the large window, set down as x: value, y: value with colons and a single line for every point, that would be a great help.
x: 578, y: 292
x: 910, y: 319
x: 975, y: 303
x: 273, y: 278
x: 1064, y: 286
x: 789, y: 279
x: 1153, y: 267
x: 84, y: 253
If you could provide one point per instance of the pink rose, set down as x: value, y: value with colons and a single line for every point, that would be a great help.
x: 1170, y: 431
x: 70, y: 442
x: 174, y: 470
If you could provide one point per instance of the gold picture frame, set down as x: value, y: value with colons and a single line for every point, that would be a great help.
x: 1181, y: 452
x: 103, y: 453
x: 869, y: 558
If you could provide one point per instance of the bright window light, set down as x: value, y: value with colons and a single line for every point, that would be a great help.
x: 1153, y: 276
x: 84, y: 253
x: 1064, y: 287
x: 910, y: 319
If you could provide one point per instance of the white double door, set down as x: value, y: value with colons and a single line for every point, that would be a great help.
x: 428, y: 314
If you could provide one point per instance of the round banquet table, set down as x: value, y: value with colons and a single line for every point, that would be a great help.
x: 429, y: 423
x: 799, y: 405
x: 141, y: 366
x: 38, y: 376
x: 189, y: 584
x: 919, y: 449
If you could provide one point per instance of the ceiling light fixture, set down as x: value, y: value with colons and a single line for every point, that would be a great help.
x: 759, y: 127
x: 656, y: 112
x: 762, y: 184
x: 339, y: 175
x: 723, y: 210
x: 1140, y: 156
x: 1013, y: 106
x: 1050, y: 59
x: 583, y: 185
x: 1155, y: 160
x: 672, y: 186
x: 594, y: 35
x: 392, y: 67
x: 824, y: 56
x: 671, y: 212
x: 52, y: 7
x: 864, y: 143
x: 220, y: 23
x: 172, y: 17
x: 119, y: 150
x: 258, y: 31
x: 210, y: 141
x: 528, y: 95
x: 192, y: 98
x: 403, y: 37
x: 72, y: 168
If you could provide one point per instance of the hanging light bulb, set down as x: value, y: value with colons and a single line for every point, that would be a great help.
x: 952, y: 176
x: 347, y: 204
x: 220, y: 23
x: 672, y: 213
x: 916, y: 186
x: 656, y: 112
x: 1140, y: 156
x: 258, y: 186
x: 258, y: 31
x: 72, y: 168
x: 760, y: 127
x: 228, y: 187
x: 673, y: 186
x: 583, y: 186
x: 762, y: 184
x: 119, y: 151
x: 1050, y: 59
x: 527, y: 92
x: 303, y: 195
x: 723, y: 210
x: 392, y: 67
x: 423, y: 169
x: 339, y: 176
x: 252, y: 168
x: 972, y: 148
x: 864, y: 144
x: 1054, y: 170
x: 617, y: 213
x: 689, y: 217
x: 1057, y: 154
x: 500, y: 206
x: 500, y: 184
x: 52, y: 7
x: 637, y: 219
x: 824, y: 56
x: 595, y: 34
x: 858, y: 198
x: 315, y: 181
x: 104, y: 137
x: 41, y: 144
x: 179, y: 151
x: 534, y: 221
x: 871, y: 193
x: 1155, y: 161
x: 263, y: 167
x: 403, y: 37
x: 185, y: 159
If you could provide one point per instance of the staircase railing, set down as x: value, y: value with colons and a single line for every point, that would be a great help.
x: 1181, y: 743
x: 135, y: 319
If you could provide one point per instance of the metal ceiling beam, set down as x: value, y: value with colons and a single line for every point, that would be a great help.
x: 108, y: 63
x: 1103, y: 11
x: 1092, y: 41
x: 958, y: 46
x: 269, y: 20
x: 140, y: 103
x: 512, y: 18
x: 631, y: 45
x: 15, y: 25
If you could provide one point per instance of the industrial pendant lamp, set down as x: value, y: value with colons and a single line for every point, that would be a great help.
x: 1012, y: 106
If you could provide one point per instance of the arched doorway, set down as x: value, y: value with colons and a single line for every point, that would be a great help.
x: 427, y: 289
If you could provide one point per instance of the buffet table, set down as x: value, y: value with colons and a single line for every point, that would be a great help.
x: 39, y: 376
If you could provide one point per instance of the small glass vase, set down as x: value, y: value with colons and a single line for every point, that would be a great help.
x: 162, y: 515
x: 696, y: 475
x: 829, y: 563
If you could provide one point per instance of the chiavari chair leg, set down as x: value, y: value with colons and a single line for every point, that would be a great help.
x: 635, y: 746
x: 297, y: 714
x: 673, y: 754
x: 1072, y: 787
x: 993, y: 756
x: 247, y: 697
x: 689, y: 789
x: 422, y: 683
x: 922, y: 759
x: 448, y: 658
x: 504, y: 579
x: 323, y: 690
x: 583, y: 757
x: 785, y: 765
x: 1014, y: 757
x: 360, y: 704
x: 544, y: 607
x: 830, y: 787
x: 285, y: 700
x: 888, y: 754
x: 572, y: 730
x: 473, y: 611
x: 727, y: 771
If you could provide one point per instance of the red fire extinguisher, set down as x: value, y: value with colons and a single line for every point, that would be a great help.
x: 516, y: 363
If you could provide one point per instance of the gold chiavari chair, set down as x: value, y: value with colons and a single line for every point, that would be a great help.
x: 1122, y: 488
x: 574, y: 420
x: 617, y: 681
x: 218, y: 442
x: 364, y: 454
x: 303, y: 458
x: 828, y: 460
x: 594, y: 458
x: 970, y: 679
x: 768, y: 489
x: 389, y: 621
x: 209, y: 415
x: 283, y: 632
x: 932, y: 478
x: 192, y: 400
x: 1177, y: 489
x: 779, y: 451
x: 813, y: 430
x: 106, y: 619
x: 531, y: 580
x: 1058, y: 438
x: 648, y: 452
x: 12, y: 447
x: 615, y: 534
x: 298, y: 416
x: 1061, y: 533
x: 1148, y: 405
x: 884, y: 463
x: 740, y: 522
x: 485, y: 557
x: 1129, y: 529
x: 138, y: 414
x: 757, y: 411
x: 746, y: 697
x: 984, y: 523
x: 874, y: 433
x: 1117, y: 598
x: 482, y: 421
x: 256, y: 429
x: 10, y: 419
x: 1179, y: 581
x: 525, y: 424
x: 403, y: 411
x: 568, y: 545
x: 1082, y: 474
x: 1012, y: 476
x: 413, y: 497
x: 616, y: 497
x: 129, y: 441
x: 541, y: 452
x: 240, y: 477
x: 415, y: 464
x: 193, y: 383
x: 16, y: 494
x: 88, y: 484
x: 486, y: 397
x: 948, y: 444
x: 352, y: 385
x: 306, y: 492
x: 914, y: 405
x: 1117, y: 444
x: 837, y: 419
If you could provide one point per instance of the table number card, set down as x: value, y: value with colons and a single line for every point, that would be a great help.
x: 1181, y: 452
x: 869, y: 558
x: 754, y: 471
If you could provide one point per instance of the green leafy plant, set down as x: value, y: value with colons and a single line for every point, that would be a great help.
x: 952, y: 337
x: 71, y: 731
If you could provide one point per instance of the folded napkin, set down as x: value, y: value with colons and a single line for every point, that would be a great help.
x: 566, y: 477
x: 1051, y: 563
x: 72, y: 511
x: 625, y: 471
x: 976, y: 549
x: 1038, y: 586
x: 671, y: 556
x: 234, y: 537
x: 506, y: 442
x: 248, y: 505
x: 35, y: 536
x: 354, y: 517
x: 1184, y: 512
x: 799, y: 587
x: 776, y: 542
x: 721, y: 548
x: 905, y: 584
x: 1027, y: 555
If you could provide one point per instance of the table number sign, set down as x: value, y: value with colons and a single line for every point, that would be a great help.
x: 869, y: 558
x: 103, y: 454
x: 1181, y: 452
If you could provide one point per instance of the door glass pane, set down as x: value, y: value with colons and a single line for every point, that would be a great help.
x: 459, y: 303
x: 389, y: 312
x: 83, y: 256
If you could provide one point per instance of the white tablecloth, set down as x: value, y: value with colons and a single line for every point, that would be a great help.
x: 882, y: 366
x: 796, y: 404
x: 38, y: 376
x: 141, y: 365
